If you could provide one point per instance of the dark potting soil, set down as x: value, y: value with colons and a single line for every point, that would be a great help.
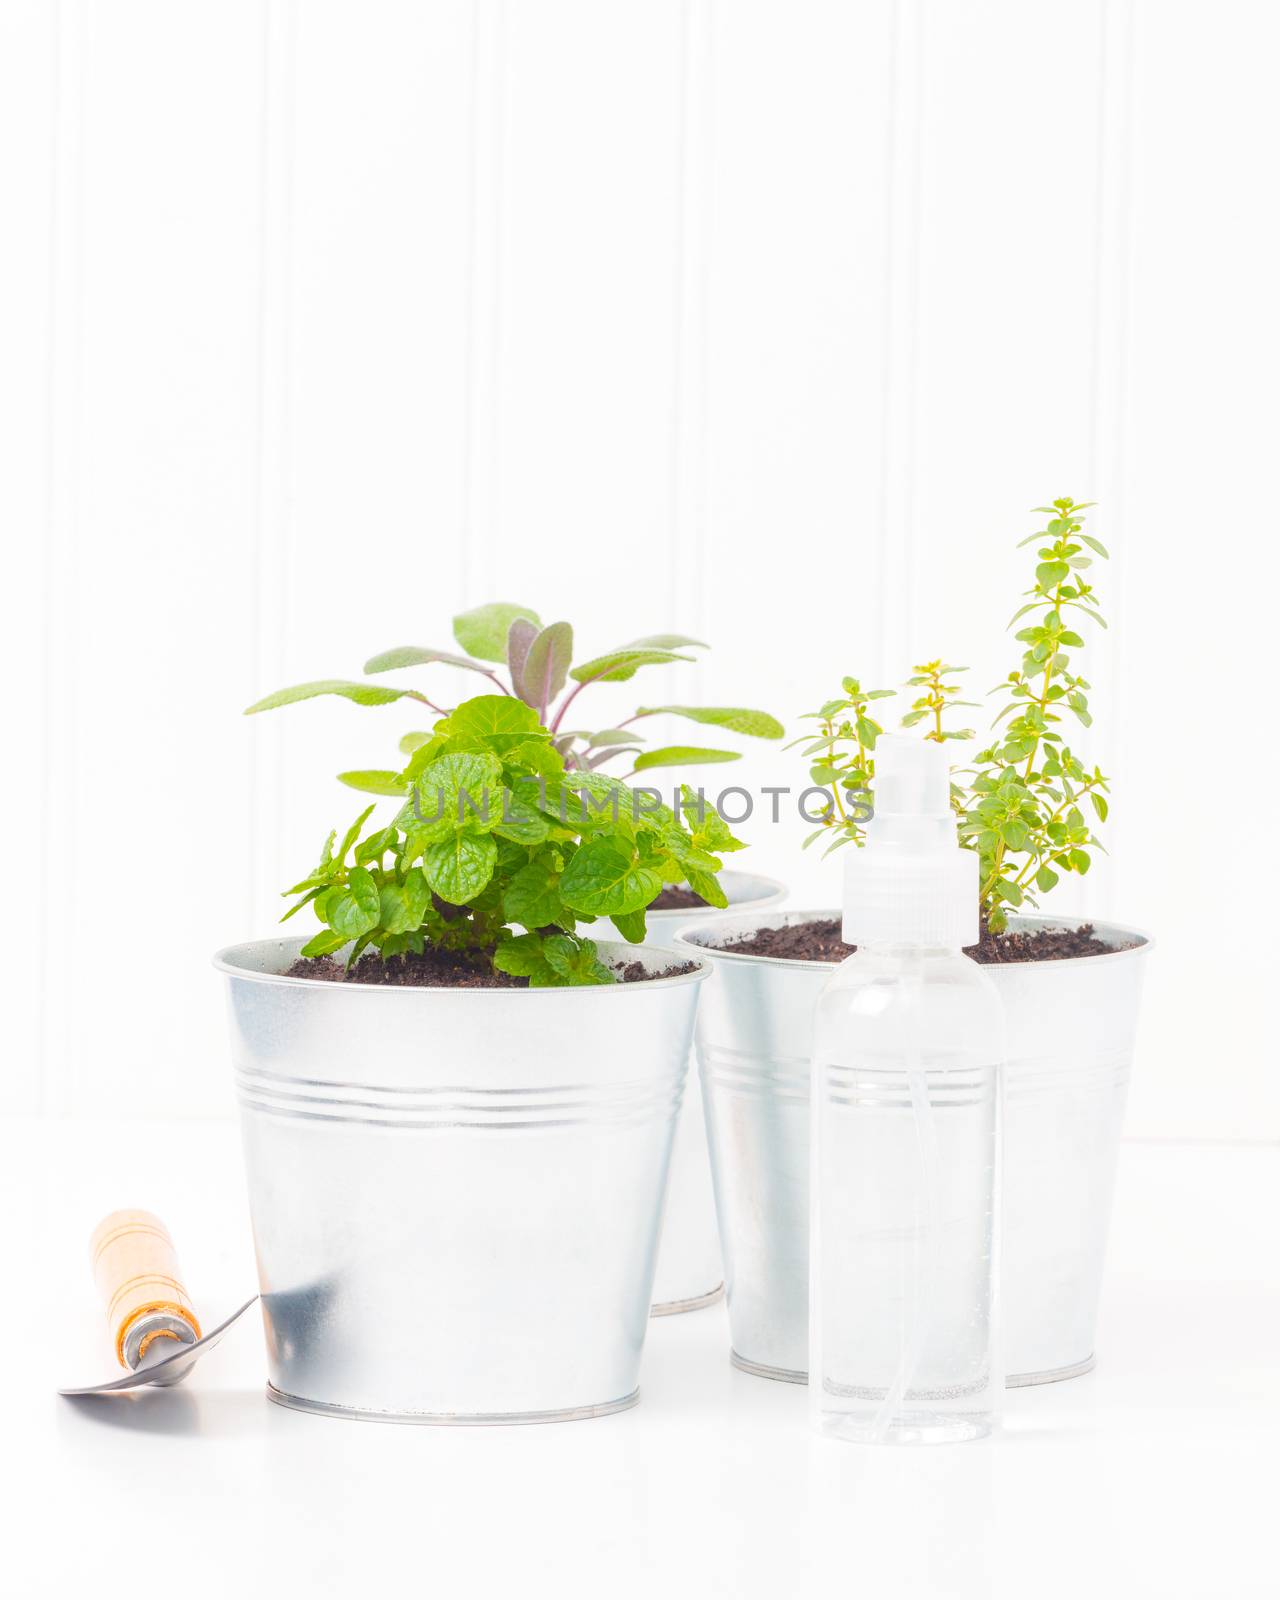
x: 820, y: 941
x: 1043, y: 944
x: 443, y: 969
x: 634, y: 971
x: 675, y: 897
x: 801, y: 941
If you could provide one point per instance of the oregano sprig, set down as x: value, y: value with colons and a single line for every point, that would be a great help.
x: 1026, y: 789
x: 841, y: 760
x: 935, y: 700
x: 1021, y: 803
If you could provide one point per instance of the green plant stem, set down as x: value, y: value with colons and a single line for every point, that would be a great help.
x: 835, y: 787
x: 1036, y: 862
x: 572, y: 696
x: 1042, y: 704
x: 412, y: 694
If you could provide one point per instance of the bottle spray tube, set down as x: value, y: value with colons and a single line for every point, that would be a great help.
x: 908, y: 1047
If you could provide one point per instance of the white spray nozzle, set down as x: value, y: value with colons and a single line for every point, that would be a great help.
x: 912, y: 883
x: 912, y: 778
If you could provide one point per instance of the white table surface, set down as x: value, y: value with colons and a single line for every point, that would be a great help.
x: 1156, y: 1475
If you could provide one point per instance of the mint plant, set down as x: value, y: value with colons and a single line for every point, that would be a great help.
x: 499, y: 850
x: 540, y: 673
x: 1021, y: 802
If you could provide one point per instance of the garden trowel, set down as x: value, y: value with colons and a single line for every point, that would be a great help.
x: 152, y: 1324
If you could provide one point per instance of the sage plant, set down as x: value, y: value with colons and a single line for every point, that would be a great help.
x: 540, y: 672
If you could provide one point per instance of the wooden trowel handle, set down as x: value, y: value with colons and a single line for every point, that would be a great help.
x: 135, y: 1268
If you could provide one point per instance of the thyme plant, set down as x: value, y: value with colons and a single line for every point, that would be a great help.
x: 541, y: 674
x: 1021, y: 803
x: 499, y: 849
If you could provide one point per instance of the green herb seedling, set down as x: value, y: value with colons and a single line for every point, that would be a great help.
x: 1021, y: 802
x: 499, y: 848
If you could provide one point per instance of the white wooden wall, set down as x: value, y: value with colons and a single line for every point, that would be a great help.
x: 761, y: 319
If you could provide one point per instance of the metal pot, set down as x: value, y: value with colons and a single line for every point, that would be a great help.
x: 1065, y: 1090
x: 690, y: 1273
x: 456, y: 1193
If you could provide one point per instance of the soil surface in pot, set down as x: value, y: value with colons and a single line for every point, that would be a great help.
x: 445, y: 969
x: 677, y: 898
x: 820, y: 941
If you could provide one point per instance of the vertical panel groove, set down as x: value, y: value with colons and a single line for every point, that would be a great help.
x: 690, y: 354
x: 1109, y: 397
x: 482, y: 529
x: 896, y: 555
x: 273, y: 511
x: 65, y: 423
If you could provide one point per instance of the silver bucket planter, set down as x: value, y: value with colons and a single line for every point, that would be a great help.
x: 1070, y: 1030
x: 456, y: 1193
x: 690, y: 1273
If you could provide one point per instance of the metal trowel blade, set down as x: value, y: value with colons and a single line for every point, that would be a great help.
x: 172, y: 1369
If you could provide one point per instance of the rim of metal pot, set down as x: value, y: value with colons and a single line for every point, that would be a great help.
x: 775, y: 891
x: 728, y: 921
x: 224, y: 961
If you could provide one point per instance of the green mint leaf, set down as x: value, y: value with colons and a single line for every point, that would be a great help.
x: 586, y: 968
x: 459, y: 867
x: 372, y: 782
x: 375, y: 847
x: 532, y: 897
x: 521, y: 956
x: 496, y: 723
x: 590, y: 802
x: 355, y: 910
x: 708, y: 888
x: 604, y: 879
x: 708, y: 830
x: 631, y: 925
x: 305, y: 901
x: 524, y: 824
x: 559, y: 951
x: 460, y: 791
x: 403, y: 906
x: 352, y: 834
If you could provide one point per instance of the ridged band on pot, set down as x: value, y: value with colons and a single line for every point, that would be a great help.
x: 690, y: 1273
x: 456, y: 1193
x: 1070, y: 1029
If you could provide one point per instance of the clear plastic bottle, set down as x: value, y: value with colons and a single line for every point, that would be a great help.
x: 908, y: 1043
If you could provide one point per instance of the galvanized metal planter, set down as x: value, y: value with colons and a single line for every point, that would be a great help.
x: 456, y: 1193
x: 1065, y: 1091
x: 690, y: 1272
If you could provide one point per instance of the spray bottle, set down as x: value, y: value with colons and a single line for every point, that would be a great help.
x: 908, y: 1042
